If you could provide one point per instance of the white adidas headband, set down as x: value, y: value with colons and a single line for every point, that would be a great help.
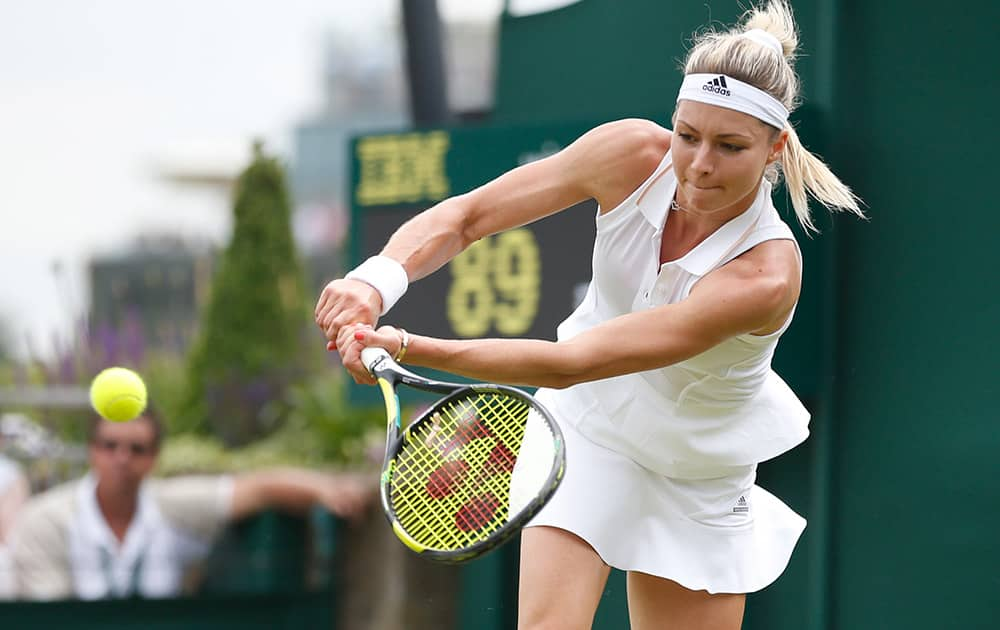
x: 725, y: 91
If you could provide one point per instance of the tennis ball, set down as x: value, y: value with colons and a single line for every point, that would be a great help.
x: 118, y: 394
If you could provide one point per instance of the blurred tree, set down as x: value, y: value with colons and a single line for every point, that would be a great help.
x: 252, y: 341
x: 5, y: 342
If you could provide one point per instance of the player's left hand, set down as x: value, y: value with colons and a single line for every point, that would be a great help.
x: 353, y: 339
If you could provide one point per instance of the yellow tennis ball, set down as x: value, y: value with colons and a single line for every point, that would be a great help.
x: 118, y: 394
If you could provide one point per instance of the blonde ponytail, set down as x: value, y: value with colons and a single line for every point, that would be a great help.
x: 742, y: 58
x: 804, y: 172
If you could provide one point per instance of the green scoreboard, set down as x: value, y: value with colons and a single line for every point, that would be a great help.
x: 520, y: 283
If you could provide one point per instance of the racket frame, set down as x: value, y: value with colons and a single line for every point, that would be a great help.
x: 389, y: 375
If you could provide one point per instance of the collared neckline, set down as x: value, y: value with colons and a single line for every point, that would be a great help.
x: 712, y: 251
x: 92, y: 519
x: 93, y: 527
x: 654, y: 200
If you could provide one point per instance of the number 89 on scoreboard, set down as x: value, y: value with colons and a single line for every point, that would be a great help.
x: 518, y: 283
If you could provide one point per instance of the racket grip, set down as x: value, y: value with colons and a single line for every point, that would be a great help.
x: 372, y: 355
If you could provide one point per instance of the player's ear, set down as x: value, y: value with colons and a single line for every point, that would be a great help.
x: 778, y: 146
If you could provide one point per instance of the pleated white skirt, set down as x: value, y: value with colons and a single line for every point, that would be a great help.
x: 721, y: 535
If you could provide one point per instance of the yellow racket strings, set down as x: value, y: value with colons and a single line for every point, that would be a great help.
x: 450, y: 486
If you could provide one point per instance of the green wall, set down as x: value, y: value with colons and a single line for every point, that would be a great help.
x: 893, y: 346
x: 609, y: 58
x: 917, y: 494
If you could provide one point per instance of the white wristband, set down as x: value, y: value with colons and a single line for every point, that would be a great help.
x: 387, y: 276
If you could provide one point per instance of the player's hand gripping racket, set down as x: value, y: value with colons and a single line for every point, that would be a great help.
x: 470, y: 471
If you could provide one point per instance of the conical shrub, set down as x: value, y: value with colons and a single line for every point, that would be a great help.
x: 251, y: 344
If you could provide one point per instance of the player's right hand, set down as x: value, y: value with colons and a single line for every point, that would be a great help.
x: 344, y: 302
x: 354, y: 339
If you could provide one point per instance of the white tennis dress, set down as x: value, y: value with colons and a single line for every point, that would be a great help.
x: 661, y: 464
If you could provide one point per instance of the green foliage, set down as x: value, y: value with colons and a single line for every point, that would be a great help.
x: 5, y: 342
x: 252, y: 344
x: 345, y: 433
x: 321, y: 430
x: 66, y: 424
x: 165, y: 376
x: 253, y: 391
x: 163, y: 373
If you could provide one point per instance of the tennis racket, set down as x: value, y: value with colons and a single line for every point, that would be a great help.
x: 469, y: 472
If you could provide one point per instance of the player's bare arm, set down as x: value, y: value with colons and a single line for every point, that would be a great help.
x: 607, y: 164
x: 753, y: 294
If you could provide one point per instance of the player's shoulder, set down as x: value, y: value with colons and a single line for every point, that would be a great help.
x: 636, y: 136
x: 776, y: 256
x: 774, y: 260
x: 612, y: 159
x: 771, y: 270
x: 637, y: 128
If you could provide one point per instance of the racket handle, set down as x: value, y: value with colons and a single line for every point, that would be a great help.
x: 372, y: 355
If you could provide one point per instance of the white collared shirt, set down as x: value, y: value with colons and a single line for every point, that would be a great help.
x: 65, y: 548
x: 150, y: 560
x: 722, y: 408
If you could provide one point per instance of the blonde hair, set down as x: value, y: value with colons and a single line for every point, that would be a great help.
x: 746, y: 60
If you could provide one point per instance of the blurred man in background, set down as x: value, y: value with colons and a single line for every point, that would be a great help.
x: 114, y: 533
x: 14, y: 492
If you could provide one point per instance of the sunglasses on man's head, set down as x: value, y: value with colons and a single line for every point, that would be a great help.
x: 137, y: 449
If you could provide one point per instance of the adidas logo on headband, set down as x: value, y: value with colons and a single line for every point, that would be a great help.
x: 723, y: 91
x: 717, y: 85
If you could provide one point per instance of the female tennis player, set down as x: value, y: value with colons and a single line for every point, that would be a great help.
x: 661, y: 378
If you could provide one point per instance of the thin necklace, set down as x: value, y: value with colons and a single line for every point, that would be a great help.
x: 675, y: 206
